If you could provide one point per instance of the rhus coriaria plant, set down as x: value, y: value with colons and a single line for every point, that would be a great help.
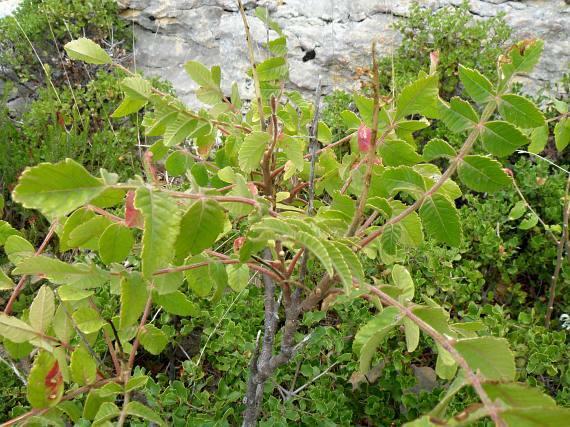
x: 297, y: 216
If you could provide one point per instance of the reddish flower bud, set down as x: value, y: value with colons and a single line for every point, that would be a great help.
x: 253, y: 188
x: 508, y: 172
x: 364, y: 138
x: 238, y: 243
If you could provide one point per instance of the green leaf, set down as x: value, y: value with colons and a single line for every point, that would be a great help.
x: 518, y: 210
x: 459, y: 115
x: 177, y: 303
x: 316, y: 247
x: 134, y: 295
x: 278, y: 46
x: 88, y: 51
x: 483, y: 174
x: 293, y: 149
x: 529, y: 222
x: 562, y: 133
x: 350, y: 119
x: 6, y: 283
x: 156, y: 124
x: 477, y: 86
x: 412, y: 332
x: 403, y: 280
x: 136, y: 87
x: 490, y: 355
x: 501, y: 138
x: 153, y: 339
x: 324, y: 133
x: 340, y: 265
x: 62, y: 325
x: 107, y: 411
x: 436, y: 148
x: 538, y: 139
x: 417, y: 97
x: 520, y: 111
x: 71, y: 409
x: 516, y: 395
x: 6, y: 230
x: 15, y: 330
x: 137, y: 409
x: 59, y: 272
x: 71, y: 293
x: 177, y: 130
x: 396, y: 152
x: 88, y: 320
x: 18, y: 249
x: 251, y: 150
x: 200, y: 74
x: 371, y: 335
x: 400, y: 179
x: 161, y: 227
x: 77, y: 218
x: 45, y: 382
x: 272, y: 69
x: 115, y: 243
x: 168, y: 283
x: 56, y: 189
x: 86, y: 235
x: 536, y: 417
x: 238, y: 276
x: 441, y: 220
x: 128, y: 106
x: 199, y: 228
x: 135, y: 383
x: 178, y: 163
x: 521, y: 58
x: 83, y: 367
x: 42, y: 309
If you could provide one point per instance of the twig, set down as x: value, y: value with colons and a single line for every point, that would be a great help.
x: 492, y: 409
x: 313, y: 145
x: 559, y: 256
x: 291, y: 394
x: 371, y: 155
x: 251, y: 55
x: 465, y: 149
x: 530, y: 208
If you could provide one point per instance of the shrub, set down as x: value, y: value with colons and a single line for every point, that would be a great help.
x: 309, y: 228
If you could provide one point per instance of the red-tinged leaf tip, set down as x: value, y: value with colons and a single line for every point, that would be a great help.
x: 364, y: 138
x: 238, y: 243
x: 53, y: 380
x: 433, y: 61
x: 133, y: 217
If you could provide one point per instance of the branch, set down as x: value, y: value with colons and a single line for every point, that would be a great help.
x: 559, y: 256
x: 465, y: 149
x: 492, y: 409
x: 371, y: 155
x: 253, y: 65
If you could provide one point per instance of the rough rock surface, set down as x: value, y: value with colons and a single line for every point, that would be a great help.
x: 329, y: 38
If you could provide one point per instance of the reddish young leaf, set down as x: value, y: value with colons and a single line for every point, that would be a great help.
x: 364, y: 138
x: 133, y: 217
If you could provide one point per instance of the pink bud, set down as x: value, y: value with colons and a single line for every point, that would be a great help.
x: 433, y: 61
x: 364, y: 138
